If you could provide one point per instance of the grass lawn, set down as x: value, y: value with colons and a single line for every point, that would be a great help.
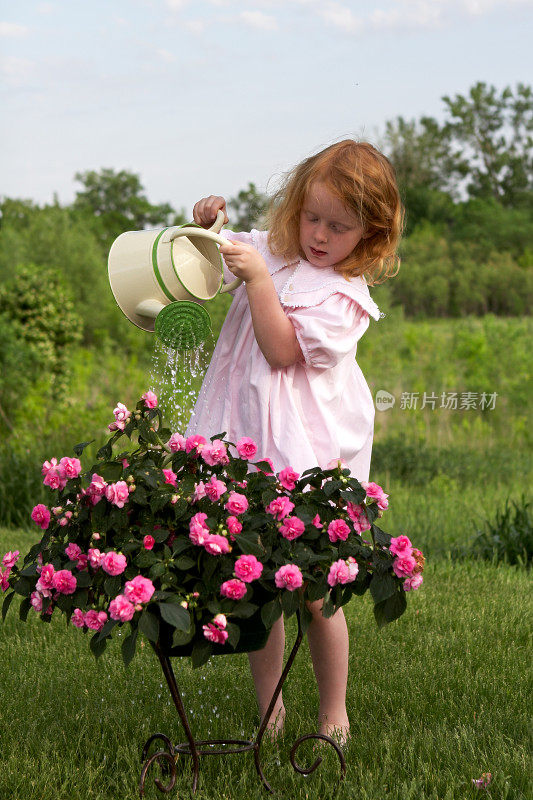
x: 435, y: 699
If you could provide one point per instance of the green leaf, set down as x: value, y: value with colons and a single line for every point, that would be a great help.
x: 105, y: 453
x: 381, y: 537
x: 248, y: 543
x: 157, y: 570
x: 139, y: 496
x: 315, y: 591
x: 108, y: 627
x: 271, y: 611
x: 159, y: 501
x: 83, y: 580
x: 180, y: 638
x: 185, y: 563
x: 97, y: 645
x: 234, y: 634
x: 382, y: 587
x: 328, y: 609
x: 180, y: 544
x: 128, y: 647
x: 146, y: 558
x: 7, y: 602
x: 149, y: 625
x: 30, y: 570
x: 305, y: 618
x: 24, y: 586
x: 200, y: 653
x: 160, y: 534
x: 79, y: 448
x: 113, y: 585
x: 111, y: 471
x: 330, y: 487
x: 290, y: 602
x: 175, y: 615
x: 243, y: 610
x: 390, y: 609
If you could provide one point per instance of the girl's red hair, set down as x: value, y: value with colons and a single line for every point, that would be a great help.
x: 364, y: 180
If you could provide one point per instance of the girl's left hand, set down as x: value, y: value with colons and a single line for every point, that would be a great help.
x: 245, y: 262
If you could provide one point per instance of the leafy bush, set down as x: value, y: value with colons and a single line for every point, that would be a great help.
x: 507, y: 538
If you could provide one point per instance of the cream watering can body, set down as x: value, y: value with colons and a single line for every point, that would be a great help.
x: 161, y: 279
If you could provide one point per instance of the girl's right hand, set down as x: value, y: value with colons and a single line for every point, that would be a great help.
x: 205, y: 210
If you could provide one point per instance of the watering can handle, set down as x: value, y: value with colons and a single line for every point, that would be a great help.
x: 213, y: 234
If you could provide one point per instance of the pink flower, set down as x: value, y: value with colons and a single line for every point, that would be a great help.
x: 48, y: 465
x: 288, y: 477
x: 82, y: 562
x: 196, y: 442
x: 45, y: 591
x: 483, y: 782
x: 78, y: 618
x: 376, y: 493
x: 289, y: 577
x: 280, y: 507
x: 139, y: 590
x: 234, y: 526
x: 148, y: 542
x: 170, y: 477
x: 338, y: 529
x: 73, y: 551
x: 95, y: 557
x: 317, y: 522
x: 95, y: 620
x: 46, y: 578
x: 70, y: 467
x: 10, y: 559
x: 214, y: 488
x: 343, y: 571
x: 248, y: 568
x: 401, y: 546
x: 114, y: 563
x: 234, y: 589
x: 358, y: 517
x: 214, y: 634
x: 413, y: 583
x: 121, y: 415
x: 216, y: 545
x: 36, y: 600
x: 41, y: 516
x: 64, y: 581
x: 199, y: 491
x: 4, y: 578
x: 121, y: 609
x: 117, y: 493
x: 198, y: 530
x: 96, y: 488
x: 292, y: 528
x: 237, y: 503
x: 215, y: 453
x: 403, y: 566
x: 246, y: 448
x: 150, y: 399
x: 176, y: 442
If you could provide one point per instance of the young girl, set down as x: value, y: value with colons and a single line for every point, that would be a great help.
x: 284, y: 371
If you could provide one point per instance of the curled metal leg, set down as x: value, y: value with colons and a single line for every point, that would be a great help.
x: 168, y: 761
x: 153, y: 738
x: 318, y: 760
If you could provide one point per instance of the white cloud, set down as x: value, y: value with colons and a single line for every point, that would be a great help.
x: 256, y: 19
x: 195, y: 25
x: 341, y: 17
x: 166, y: 56
x: 11, y: 29
x: 16, y: 71
x: 175, y: 5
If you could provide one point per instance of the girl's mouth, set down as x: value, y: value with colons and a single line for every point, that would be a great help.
x: 318, y: 252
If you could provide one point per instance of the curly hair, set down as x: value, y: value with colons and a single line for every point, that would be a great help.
x: 365, y: 182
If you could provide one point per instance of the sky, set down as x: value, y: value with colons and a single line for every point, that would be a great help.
x: 203, y: 97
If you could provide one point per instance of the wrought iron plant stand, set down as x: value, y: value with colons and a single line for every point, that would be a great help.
x: 167, y: 756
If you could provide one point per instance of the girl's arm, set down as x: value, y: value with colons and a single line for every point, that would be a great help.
x: 273, y: 330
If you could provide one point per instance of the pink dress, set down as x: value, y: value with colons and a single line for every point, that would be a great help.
x: 307, y: 414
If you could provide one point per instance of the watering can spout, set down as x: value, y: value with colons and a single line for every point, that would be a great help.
x: 162, y: 278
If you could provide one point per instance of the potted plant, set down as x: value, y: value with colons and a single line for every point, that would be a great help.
x: 198, y: 545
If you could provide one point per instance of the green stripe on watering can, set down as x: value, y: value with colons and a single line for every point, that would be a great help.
x: 156, y: 267
x: 202, y: 299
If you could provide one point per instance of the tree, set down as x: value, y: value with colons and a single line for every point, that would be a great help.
x: 118, y: 202
x: 491, y: 137
x: 249, y: 206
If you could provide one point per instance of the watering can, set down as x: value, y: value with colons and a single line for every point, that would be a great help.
x: 161, y: 279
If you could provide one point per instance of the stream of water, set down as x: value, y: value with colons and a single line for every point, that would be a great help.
x: 176, y: 377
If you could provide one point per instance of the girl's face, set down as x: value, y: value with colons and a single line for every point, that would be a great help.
x: 328, y: 231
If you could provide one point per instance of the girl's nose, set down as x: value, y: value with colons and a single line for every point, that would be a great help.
x: 321, y: 234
